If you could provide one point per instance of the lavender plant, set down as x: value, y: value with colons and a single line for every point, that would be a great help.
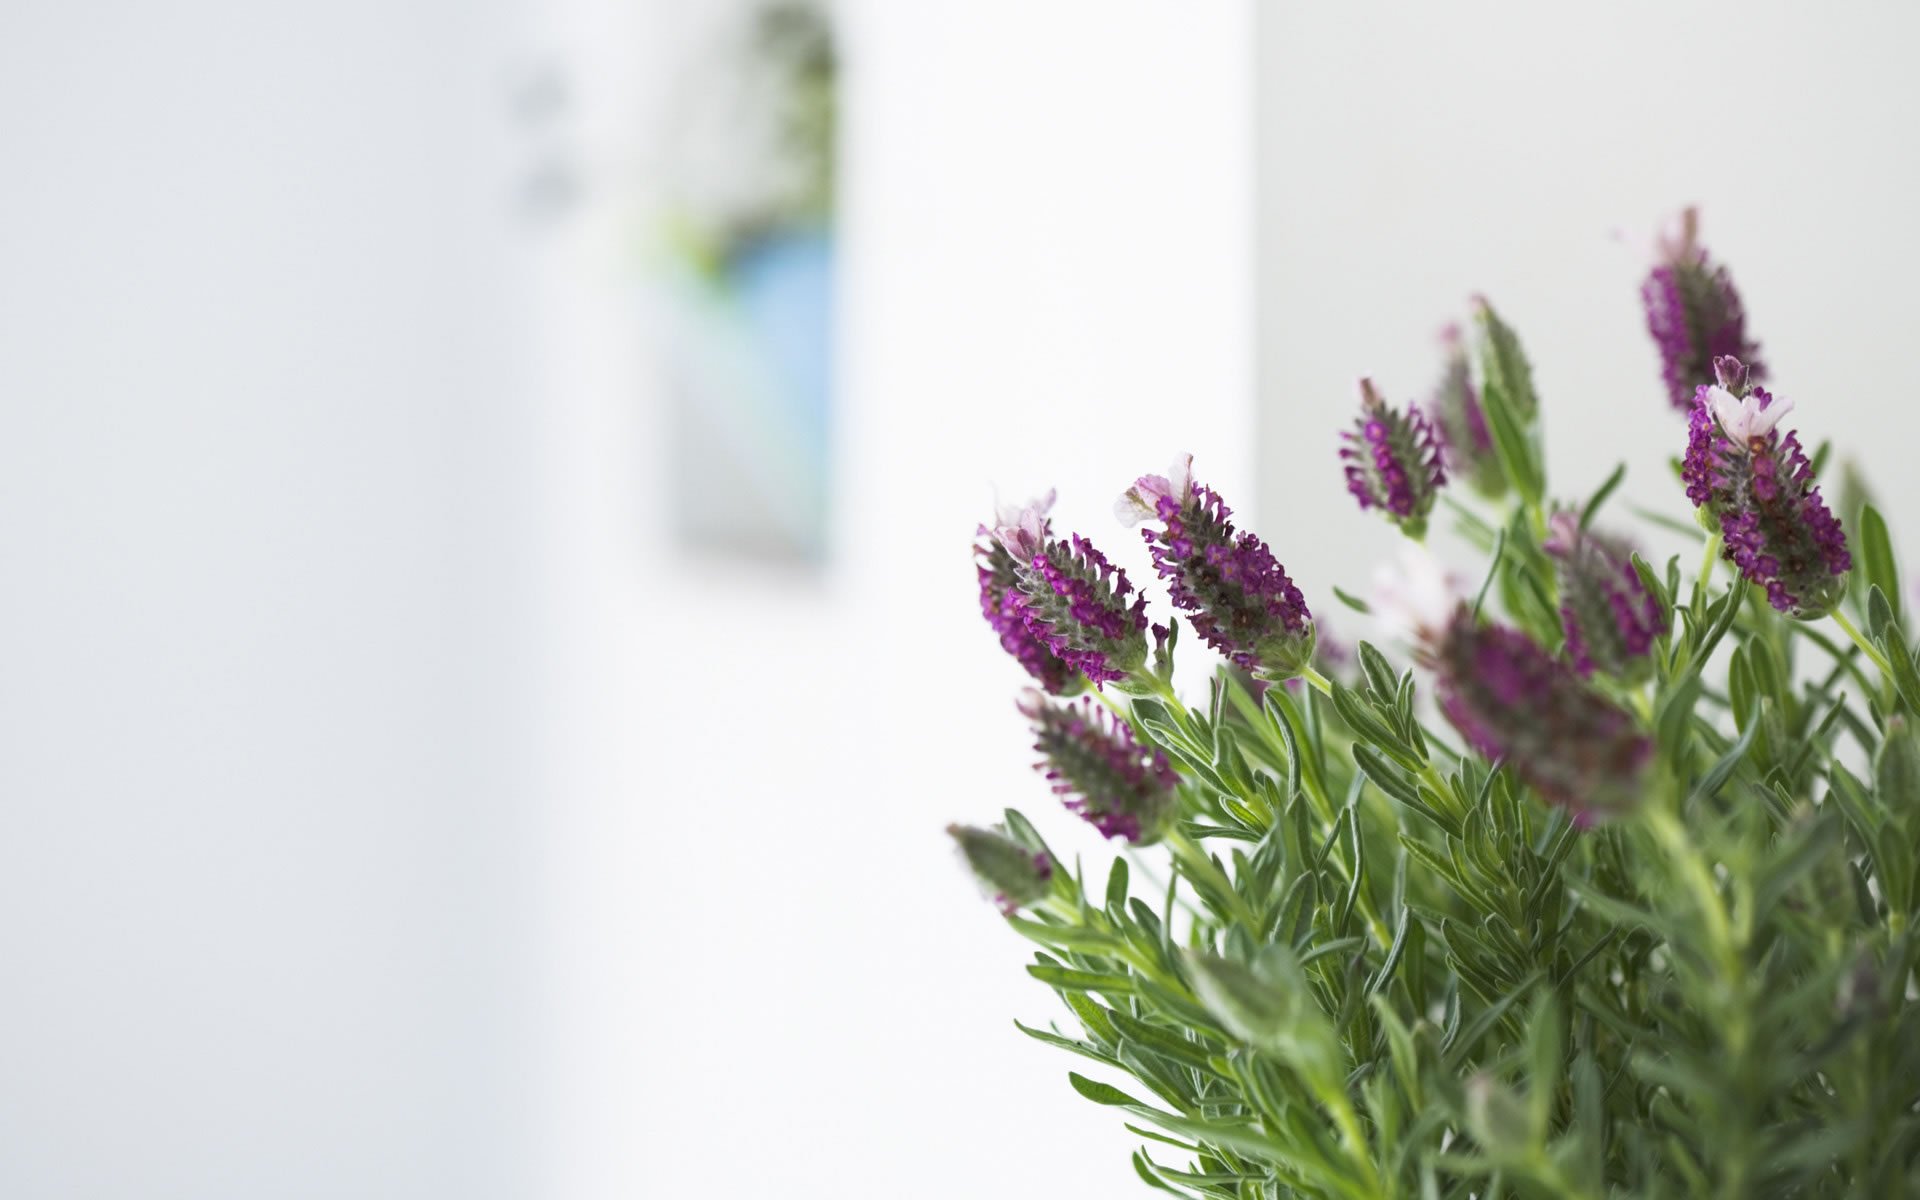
x: 1600, y: 882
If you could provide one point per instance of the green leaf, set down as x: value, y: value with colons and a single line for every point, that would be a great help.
x: 1879, y: 613
x: 1068, y: 979
x: 1117, y: 886
x: 1717, y: 775
x: 1146, y: 1167
x: 1600, y: 495
x: 1083, y: 1049
x: 1493, y: 570
x: 1381, y: 679
x: 1100, y: 1093
x: 1459, y: 1048
x: 1876, y: 556
x: 1353, y: 602
x: 1897, y: 768
x: 1893, y: 643
x: 1069, y: 937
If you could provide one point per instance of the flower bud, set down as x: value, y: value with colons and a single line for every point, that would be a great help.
x: 1611, y: 620
x: 1515, y: 703
x: 1120, y: 787
x: 1012, y: 875
x: 1005, y: 609
x: 1072, y: 599
x: 1694, y: 314
x: 1393, y: 461
x: 1238, y: 597
x: 1466, y: 444
x: 1758, y: 490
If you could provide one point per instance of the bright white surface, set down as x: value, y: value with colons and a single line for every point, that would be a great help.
x: 263, y: 891
x: 1409, y: 160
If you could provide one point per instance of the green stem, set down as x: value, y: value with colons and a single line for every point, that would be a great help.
x: 1709, y: 559
x: 1860, y: 639
x: 1320, y: 682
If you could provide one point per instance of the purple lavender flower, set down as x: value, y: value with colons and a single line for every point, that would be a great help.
x: 1466, y: 444
x: 1694, y: 314
x: 1610, y: 618
x: 1122, y: 788
x: 1011, y: 874
x: 1005, y: 609
x: 1515, y: 703
x: 1758, y: 489
x: 1072, y: 600
x: 1393, y: 461
x: 1238, y: 597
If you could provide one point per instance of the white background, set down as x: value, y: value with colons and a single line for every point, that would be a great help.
x: 391, y: 810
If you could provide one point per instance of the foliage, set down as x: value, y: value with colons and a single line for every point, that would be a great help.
x: 1384, y: 966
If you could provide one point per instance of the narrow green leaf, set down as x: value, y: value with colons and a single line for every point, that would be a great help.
x: 1600, y: 495
x: 1353, y: 602
x: 1876, y: 556
x: 1100, y: 1093
x: 1068, y: 979
x: 1117, y: 886
x: 1493, y: 570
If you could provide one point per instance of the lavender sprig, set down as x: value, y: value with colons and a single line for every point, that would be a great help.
x: 1517, y: 704
x: 1005, y: 608
x: 1122, y: 788
x: 1239, y: 598
x: 1611, y: 620
x: 1008, y: 872
x: 1072, y: 600
x: 1460, y: 423
x: 1393, y: 461
x: 1757, y: 489
x: 1694, y: 314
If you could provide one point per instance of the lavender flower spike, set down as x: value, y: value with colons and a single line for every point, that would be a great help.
x: 1011, y: 874
x: 1072, y: 600
x: 1610, y: 618
x: 1515, y: 703
x: 1122, y: 788
x: 1757, y: 488
x: 1393, y: 461
x: 1238, y: 597
x: 1466, y: 444
x: 1004, y: 607
x: 1694, y: 314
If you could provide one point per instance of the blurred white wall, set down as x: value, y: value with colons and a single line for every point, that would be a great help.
x: 1410, y: 158
x: 264, y: 529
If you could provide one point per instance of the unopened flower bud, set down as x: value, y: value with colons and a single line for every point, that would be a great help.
x: 1515, y: 703
x: 1393, y: 461
x: 1097, y: 767
x: 1694, y: 314
x: 1012, y: 875
x: 1611, y: 620
x: 1466, y: 444
x: 1757, y: 488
